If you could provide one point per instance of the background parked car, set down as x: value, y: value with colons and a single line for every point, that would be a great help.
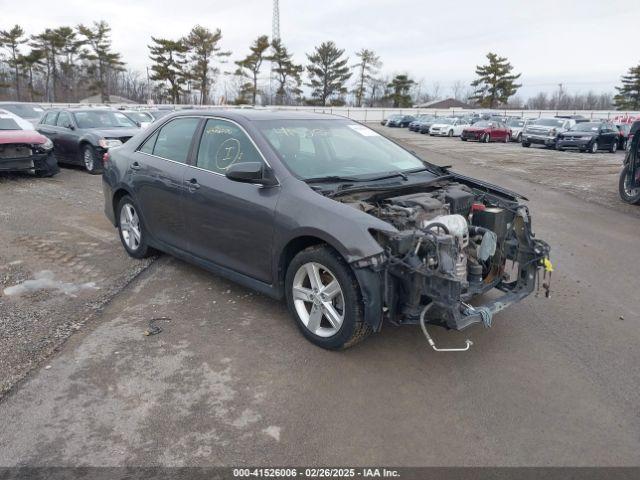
x: 29, y: 111
x: 158, y: 113
x: 545, y: 131
x: 415, y: 125
x: 425, y: 125
x: 517, y: 126
x: 449, y: 127
x: 141, y: 117
x: 82, y: 136
x: 590, y: 136
x: 623, y: 139
x: 22, y: 149
x: 401, y: 121
x: 486, y: 131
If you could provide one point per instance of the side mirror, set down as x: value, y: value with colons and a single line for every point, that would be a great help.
x: 251, y: 172
x: 71, y: 127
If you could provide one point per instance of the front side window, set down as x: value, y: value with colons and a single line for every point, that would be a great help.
x: 173, y: 140
x: 224, y: 144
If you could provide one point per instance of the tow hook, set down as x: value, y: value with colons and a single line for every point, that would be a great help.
x: 430, y: 340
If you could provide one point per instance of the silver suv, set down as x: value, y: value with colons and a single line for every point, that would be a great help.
x: 545, y: 131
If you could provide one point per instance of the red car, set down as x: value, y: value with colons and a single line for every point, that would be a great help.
x: 487, y: 131
x: 22, y: 149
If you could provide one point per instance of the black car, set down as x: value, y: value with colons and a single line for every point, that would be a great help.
x: 590, y: 137
x: 419, y: 120
x: 82, y: 136
x: 401, y: 121
x: 425, y: 125
x: 345, y: 224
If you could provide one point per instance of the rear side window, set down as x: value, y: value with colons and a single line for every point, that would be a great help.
x: 50, y: 118
x: 173, y: 140
x: 224, y: 144
x: 64, y: 120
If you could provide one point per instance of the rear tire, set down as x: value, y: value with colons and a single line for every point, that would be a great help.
x: 626, y: 194
x: 312, y: 312
x: 526, y: 144
x: 133, y: 234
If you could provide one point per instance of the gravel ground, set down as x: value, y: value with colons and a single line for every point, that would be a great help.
x: 55, y: 237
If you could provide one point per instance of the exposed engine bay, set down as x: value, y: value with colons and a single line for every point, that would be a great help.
x: 453, y: 242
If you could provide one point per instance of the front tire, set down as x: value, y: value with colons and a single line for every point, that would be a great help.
x: 627, y: 194
x: 486, y: 138
x: 614, y: 147
x: 91, y: 161
x: 324, y: 298
x: 450, y: 134
x: 133, y: 235
x: 593, y: 148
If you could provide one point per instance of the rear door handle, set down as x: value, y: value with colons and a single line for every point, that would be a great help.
x: 193, y: 184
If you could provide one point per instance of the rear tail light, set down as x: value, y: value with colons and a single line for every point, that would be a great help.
x: 105, y: 159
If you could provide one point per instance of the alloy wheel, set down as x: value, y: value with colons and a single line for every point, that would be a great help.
x: 130, y: 227
x: 87, y: 156
x: 318, y: 299
x: 594, y: 147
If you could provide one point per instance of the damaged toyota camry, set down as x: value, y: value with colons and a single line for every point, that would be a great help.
x: 346, y: 225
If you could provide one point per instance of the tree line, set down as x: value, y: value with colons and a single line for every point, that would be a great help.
x: 67, y: 64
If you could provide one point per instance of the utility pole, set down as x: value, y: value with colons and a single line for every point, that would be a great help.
x: 275, y: 35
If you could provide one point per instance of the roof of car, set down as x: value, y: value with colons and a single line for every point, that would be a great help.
x: 259, y: 114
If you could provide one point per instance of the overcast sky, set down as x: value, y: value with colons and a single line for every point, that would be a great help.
x: 584, y: 44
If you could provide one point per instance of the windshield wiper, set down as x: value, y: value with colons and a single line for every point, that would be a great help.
x: 338, y: 178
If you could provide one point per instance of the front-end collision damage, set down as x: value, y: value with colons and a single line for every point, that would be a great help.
x: 450, y: 245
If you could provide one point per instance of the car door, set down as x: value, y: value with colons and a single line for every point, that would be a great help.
x: 66, y: 136
x: 157, y: 176
x: 229, y: 223
x: 47, y: 127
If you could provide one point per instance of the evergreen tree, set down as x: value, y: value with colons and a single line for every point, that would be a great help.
x: 11, y: 40
x: 367, y: 67
x: 495, y: 82
x: 400, y: 87
x: 31, y: 63
x: 328, y: 72
x: 203, y: 46
x: 102, y: 60
x: 287, y: 73
x: 628, y: 97
x: 249, y: 67
x: 169, y: 64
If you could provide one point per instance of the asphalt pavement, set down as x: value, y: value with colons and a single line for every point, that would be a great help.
x: 230, y: 381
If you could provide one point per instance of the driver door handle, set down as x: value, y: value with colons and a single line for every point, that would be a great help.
x: 193, y: 184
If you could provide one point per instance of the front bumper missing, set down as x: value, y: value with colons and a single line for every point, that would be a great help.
x: 36, y: 162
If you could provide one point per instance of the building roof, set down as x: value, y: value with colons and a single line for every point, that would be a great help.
x: 446, y: 103
x: 112, y: 99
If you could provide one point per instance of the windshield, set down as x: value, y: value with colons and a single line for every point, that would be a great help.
x: 515, y: 122
x: 483, y: 124
x: 446, y: 121
x: 327, y: 148
x: 24, y: 110
x: 103, y: 119
x: 586, y: 127
x: 395, y: 117
x: 141, y: 117
x: 549, y: 122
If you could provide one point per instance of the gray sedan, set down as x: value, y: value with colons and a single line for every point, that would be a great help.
x: 348, y: 226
